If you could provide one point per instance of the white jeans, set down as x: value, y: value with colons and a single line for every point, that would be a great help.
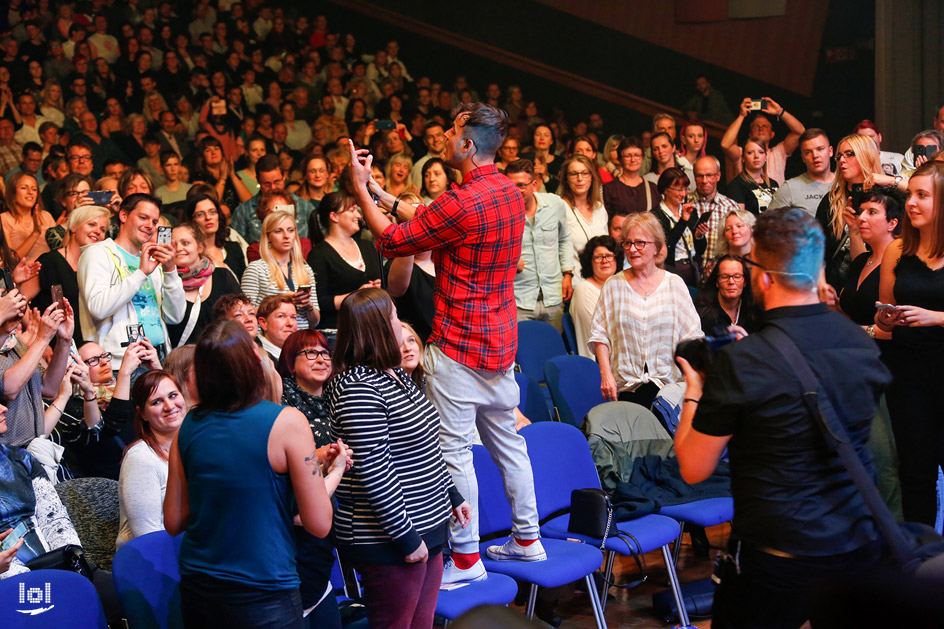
x: 468, y: 399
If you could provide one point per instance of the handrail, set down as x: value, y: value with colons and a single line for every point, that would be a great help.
x: 526, y: 64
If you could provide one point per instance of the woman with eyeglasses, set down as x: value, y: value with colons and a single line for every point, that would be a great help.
x: 581, y: 191
x: 858, y: 159
x: 305, y: 366
x: 912, y: 280
x: 643, y: 314
x: 726, y: 299
x: 679, y: 220
x: 341, y: 263
x: 597, y: 265
x: 629, y: 192
x: 753, y: 189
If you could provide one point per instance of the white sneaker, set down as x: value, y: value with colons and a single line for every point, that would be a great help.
x: 513, y: 551
x: 454, y: 574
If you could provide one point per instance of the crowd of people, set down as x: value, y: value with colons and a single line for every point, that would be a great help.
x: 217, y: 213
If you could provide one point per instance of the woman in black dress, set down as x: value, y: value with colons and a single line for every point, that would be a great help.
x: 342, y: 263
x: 879, y: 222
x: 912, y: 279
x: 203, y: 281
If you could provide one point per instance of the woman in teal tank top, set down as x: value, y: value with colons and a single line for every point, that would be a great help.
x: 237, y: 468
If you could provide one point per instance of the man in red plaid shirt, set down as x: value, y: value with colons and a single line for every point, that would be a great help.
x: 474, y: 232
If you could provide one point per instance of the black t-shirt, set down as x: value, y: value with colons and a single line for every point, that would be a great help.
x: 755, y: 197
x: 791, y: 492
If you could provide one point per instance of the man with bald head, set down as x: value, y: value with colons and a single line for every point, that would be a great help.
x: 708, y: 200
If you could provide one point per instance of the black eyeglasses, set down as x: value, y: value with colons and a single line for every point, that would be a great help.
x: 94, y: 360
x: 846, y: 154
x: 314, y: 354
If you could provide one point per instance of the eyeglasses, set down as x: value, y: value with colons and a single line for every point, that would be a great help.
x: 638, y: 244
x: 679, y: 189
x: 523, y: 186
x: 314, y: 354
x: 846, y: 154
x: 727, y: 277
x: 74, y: 193
x: 604, y: 257
x: 94, y: 360
x: 199, y: 216
x: 579, y: 175
x: 80, y: 158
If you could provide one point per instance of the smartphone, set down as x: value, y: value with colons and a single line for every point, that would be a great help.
x: 163, y: 235
x: 304, y: 288
x: 704, y: 218
x: 18, y: 532
x: 6, y: 279
x: 99, y: 197
x: 886, y: 307
x: 284, y: 208
x: 385, y: 125
x: 56, y: 291
x: 926, y: 151
x: 758, y: 104
x: 135, y: 332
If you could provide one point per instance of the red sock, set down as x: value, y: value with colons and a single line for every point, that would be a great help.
x: 464, y: 561
x: 525, y: 542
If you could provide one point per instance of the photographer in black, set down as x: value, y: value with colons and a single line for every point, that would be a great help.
x: 799, y: 522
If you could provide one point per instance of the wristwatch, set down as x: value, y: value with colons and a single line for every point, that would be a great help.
x: 898, y: 179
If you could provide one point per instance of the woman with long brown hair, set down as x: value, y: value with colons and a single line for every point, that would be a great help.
x: 391, y: 524
x: 912, y: 280
x: 580, y: 188
x: 159, y: 409
x: 23, y: 218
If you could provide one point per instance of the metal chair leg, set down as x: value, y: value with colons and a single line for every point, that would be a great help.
x: 676, y: 588
x: 595, y: 602
x: 607, y: 576
x: 532, y: 601
x: 677, y: 550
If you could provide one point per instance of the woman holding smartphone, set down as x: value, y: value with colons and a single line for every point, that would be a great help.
x: 912, y: 281
x: 282, y: 268
x: 237, y: 469
x: 341, y: 263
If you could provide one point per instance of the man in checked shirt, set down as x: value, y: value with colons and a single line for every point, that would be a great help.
x: 474, y: 232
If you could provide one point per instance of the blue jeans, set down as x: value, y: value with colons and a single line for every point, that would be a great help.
x: 209, y: 602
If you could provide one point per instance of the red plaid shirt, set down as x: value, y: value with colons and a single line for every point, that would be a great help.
x: 475, y: 235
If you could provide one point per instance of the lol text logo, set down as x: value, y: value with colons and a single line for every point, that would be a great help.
x: 35, y: 596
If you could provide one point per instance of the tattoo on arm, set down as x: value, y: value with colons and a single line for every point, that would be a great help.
x: 312, y: 461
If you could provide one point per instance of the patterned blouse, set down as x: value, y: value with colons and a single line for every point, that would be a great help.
x: 311, y: 406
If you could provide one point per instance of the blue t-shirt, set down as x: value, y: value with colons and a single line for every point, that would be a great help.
x: 145, y: 303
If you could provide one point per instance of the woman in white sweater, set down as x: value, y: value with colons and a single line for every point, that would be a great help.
x: 597, y: 265
x: 159, y: 409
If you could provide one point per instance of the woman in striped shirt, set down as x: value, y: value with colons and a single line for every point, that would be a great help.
x: 393, y: 512
x: 282, y: 269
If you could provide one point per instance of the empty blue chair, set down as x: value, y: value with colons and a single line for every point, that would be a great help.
x: 497, y: 589
x: 561, y: 462
x: 570, y: 333
x: 566, y: 561
x: 538, y: 342
x: 148, y: 581
x: 531, y: 400
x: 707, y: 512
x: 42, y: 599
x: 574, y: 383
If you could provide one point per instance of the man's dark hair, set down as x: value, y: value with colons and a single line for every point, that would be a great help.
x: 271, y: 303
x: 267, y: 163
x: 112, y: 162
x: 80, y: 142
x: 432, y: 124
x: 520, y: 166
x: 166, y: 155
x: 484, y: 124
x: 789, y: 243
x: 31, y: 147
x: 812, y: 134
x: 132, y: 201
